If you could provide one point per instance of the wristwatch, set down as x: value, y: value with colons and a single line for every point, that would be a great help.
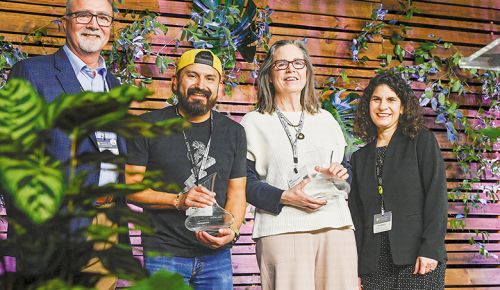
x: 236, y: 235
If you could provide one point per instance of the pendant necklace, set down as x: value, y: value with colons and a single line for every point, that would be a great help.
x: 298, y: 128
x: 285, y: 123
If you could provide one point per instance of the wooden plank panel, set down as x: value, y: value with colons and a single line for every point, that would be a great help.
x: 31, y: 7
x: 494, y: 4
x: 440, y: 52
x: 151, y: 5
x: 472, y: 277
x: 245, y: 264
x: 356, y: 9
x: 432, y: 34
x: 471, y: 259
x: 488, y: 209
x: 448, y: 10
x: 445, y: 24
x: 471, y: 248
x: 493, y: 237
x: 313, y: 21
x: 473, y: 288
x: 481, y: 224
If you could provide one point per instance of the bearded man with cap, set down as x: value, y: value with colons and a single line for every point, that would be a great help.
x: 213, y: 143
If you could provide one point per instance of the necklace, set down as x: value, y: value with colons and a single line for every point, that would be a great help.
x: 297, y: 128
x: 290, y: 123
x: 298, y: 136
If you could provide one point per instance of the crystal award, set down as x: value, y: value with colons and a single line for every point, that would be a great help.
x: 209, y: 219
x: 325, y: 187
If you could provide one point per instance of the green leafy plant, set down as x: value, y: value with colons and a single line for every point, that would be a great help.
x: 342, y: 106
x: 47, y: 196
x: 9, y: 55
x: 228, y: 27
x: 132, y: 44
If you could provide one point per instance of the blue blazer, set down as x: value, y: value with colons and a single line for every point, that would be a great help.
x: 52, y: 75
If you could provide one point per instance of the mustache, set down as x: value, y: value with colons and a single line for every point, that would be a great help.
x: 91, y: 32
x: 192, y: 91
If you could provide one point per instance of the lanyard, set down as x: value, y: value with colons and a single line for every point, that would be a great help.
x: 293, y: 142
x: 380, y: 189
x: 198, y: 168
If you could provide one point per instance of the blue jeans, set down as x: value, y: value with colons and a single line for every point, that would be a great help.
x: 212, y: 272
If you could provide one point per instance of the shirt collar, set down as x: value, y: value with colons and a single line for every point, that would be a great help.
x: 78, y: 64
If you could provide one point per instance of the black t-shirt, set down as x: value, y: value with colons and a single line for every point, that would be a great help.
x: 169, y: 156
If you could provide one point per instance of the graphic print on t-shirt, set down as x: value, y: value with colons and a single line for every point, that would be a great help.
x: 198, y: 148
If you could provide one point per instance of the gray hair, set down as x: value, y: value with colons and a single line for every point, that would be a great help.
x: 68, y: 6
x: 265, y: 90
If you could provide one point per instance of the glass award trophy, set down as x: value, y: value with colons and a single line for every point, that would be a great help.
x: 325, y: 187
x: 209, y: 219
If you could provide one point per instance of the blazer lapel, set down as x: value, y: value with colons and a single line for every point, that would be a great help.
x: 371, y: 162
x: 93, y: 139
x: 65, y: 73
x: 111, y: 80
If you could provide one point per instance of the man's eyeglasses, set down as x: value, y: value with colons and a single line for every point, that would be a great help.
x: 284, y: 64
x: 84, y: 17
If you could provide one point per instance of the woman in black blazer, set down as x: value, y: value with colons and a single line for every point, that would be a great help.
x: 398, y: 199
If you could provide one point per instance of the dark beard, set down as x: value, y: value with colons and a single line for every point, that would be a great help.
x: 196, y: 107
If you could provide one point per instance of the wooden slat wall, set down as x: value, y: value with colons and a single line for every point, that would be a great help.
x: 329, y: 27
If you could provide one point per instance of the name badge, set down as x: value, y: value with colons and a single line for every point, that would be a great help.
x: 107, y: 141
x: 382, y: 222
x: 296, y: 177
x: 200, y: 211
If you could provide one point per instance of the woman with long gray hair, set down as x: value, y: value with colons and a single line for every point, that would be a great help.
x: 304, y: 234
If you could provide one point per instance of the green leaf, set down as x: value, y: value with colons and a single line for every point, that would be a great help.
x: 89, y: 111
x: 363, y: 59
x: 162, y: 280
x: 428, y: 46
x: 491, y: 132
x: 344, y: 77
x: 36, y: 184
x: 21, y: 116
x: 419, y: 59
x: 455, y: 85
x: 395, y: 38
x: 441, y: 98
x: 399, y: 52
x: 428, y: 94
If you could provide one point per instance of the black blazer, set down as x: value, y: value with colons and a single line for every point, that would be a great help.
x: 414, y: 183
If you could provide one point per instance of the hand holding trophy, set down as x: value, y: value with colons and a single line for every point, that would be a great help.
x: 211, y: 218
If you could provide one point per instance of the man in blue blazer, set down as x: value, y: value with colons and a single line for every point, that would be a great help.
x: 77, y: 67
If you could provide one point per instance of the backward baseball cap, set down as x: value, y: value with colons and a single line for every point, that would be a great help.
x: 201, y: 56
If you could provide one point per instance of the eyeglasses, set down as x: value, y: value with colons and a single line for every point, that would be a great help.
x: 83, y: 17
x: 283, y: 64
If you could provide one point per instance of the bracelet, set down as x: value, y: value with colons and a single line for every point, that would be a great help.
x: 236, y: 235
x: 177, y: 200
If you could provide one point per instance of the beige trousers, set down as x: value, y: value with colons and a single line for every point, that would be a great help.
x: 107, y: 281
x: 320, y: 260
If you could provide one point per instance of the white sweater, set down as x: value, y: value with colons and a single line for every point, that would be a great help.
x: 269, y: 147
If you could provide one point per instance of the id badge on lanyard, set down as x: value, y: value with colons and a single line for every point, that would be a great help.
x: 382, y: 222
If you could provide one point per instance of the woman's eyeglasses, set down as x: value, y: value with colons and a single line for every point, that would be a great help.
x: 284, y: 64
